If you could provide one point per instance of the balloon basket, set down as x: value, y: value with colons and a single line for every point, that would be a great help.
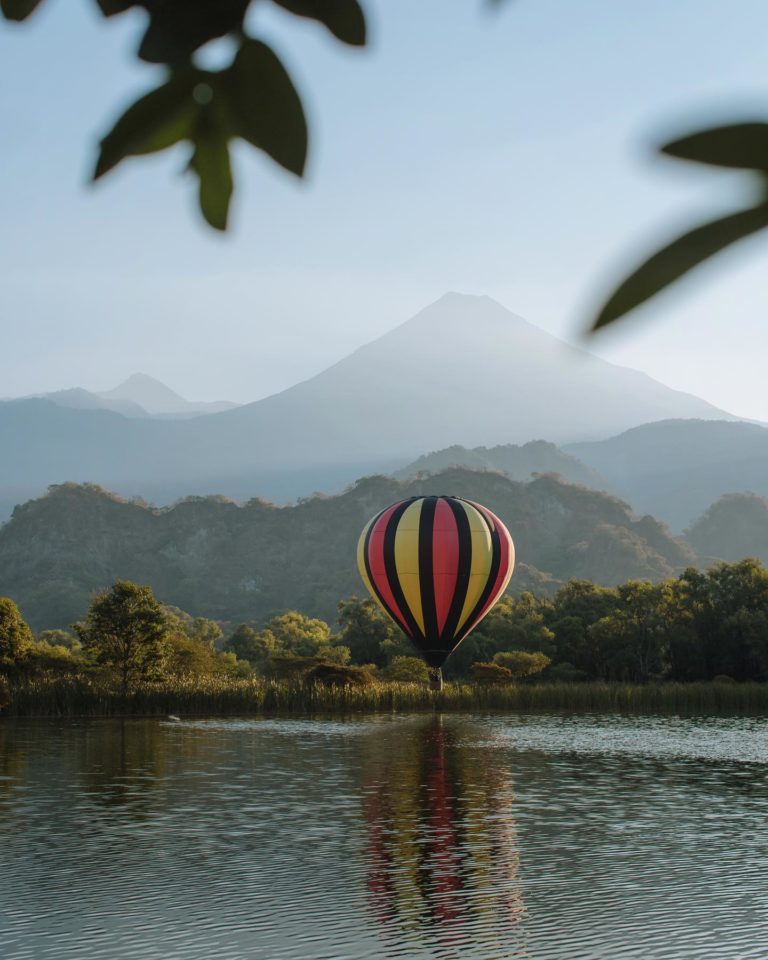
x: 436, y: 679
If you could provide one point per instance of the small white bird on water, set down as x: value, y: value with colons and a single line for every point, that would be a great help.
x: 171, y: 716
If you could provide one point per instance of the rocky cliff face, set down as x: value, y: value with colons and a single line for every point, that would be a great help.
x: 212, y: 557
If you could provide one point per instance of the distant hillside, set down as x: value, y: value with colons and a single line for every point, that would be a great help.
x: 676, y: 468
x: 158, y: 400
x: 462, y: 371
x: 517, y: 462
x: 212, y: 557
x: 138, y: 396
x: 734, y: 527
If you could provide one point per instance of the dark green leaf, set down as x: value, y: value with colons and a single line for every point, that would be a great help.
x: 177, y: 29
x: 676, y: 259
x: 743, y: 145
x: 156, y: 121
x: 344, y: 18
x: 211, y: 163
x: 265, y: 107
x: 111, y: 7
x: 18, y: 9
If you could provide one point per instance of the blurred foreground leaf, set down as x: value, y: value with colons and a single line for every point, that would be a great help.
x: 264, y: 106
x: 157, y: 120
x: 18, y: 9
x: 210, y: 161
x: 742, y: 145
x: 344, y: 18
x: 678, y: 258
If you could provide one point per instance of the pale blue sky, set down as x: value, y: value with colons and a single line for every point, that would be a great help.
x: 506, y: 154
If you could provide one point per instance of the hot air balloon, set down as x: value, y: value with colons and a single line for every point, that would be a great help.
x: 436, y: 565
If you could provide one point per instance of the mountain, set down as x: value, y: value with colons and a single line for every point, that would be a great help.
x: 735, y: 526
x: 463, y: 371
x: 159, y: 400
x: 78, y: 399
x: 517, y: 462
x: 676, y: 468
x: 211, y: 557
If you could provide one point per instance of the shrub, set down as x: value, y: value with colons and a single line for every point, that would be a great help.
x: 565, y: 673
x: 522, y: 664
x: 490, y: 673
x: 406, y: 670
x: 337, y: 675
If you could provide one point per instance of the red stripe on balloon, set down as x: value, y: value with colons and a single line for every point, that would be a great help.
x: 378, y: 570
x: 445, y: 560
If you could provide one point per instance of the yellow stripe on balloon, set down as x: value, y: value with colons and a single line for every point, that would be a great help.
x: 361, y: 560
x: 407, y: 559
x: 480, y: 567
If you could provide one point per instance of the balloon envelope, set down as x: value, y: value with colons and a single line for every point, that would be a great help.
x: 436, y: 565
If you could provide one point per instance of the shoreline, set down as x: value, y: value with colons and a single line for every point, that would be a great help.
x: 73, y: 698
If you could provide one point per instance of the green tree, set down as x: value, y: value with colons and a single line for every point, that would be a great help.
x: 406, y: 670
x: 60, y: 638
x: 126, y: 631
x: 205, y: 631
x: 490, y: 674
x: 521, y: 663
x: 298, y: 634
x: 575, y: 607
x: 15, y: 635
x: 369, y: 633
x: 334, y: 653
x: 632, y: 640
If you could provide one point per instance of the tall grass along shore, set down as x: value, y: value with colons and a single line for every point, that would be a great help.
x: 215, y: 696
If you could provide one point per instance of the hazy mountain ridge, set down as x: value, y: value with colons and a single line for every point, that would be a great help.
x: 518, y: 462
x: 676, y: 469
x: 463, y: 371
x: 139, y: 396
x: 210, y: 556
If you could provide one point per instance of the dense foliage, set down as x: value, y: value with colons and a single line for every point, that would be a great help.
x: 697, y: 627
x: 215, y: 559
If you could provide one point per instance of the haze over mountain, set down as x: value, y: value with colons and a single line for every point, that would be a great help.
x: 735, y: 526
x: 138, y: 396
x: 463, y: 371
x: 517, y: 462
x: 676, y: 469
x: 158, y: 400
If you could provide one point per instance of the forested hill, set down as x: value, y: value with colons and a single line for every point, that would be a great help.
x: 517, y: 461
x: 211, y: 557
x: 734, y: 527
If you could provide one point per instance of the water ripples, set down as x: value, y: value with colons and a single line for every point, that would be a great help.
x: 543, y: 838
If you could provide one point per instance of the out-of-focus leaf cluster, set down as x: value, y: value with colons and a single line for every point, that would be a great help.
x: 742, y: 146
x: 252, y: 99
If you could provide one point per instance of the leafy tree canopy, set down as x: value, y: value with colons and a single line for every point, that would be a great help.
x: 126, y: 630
x: 15, y: 635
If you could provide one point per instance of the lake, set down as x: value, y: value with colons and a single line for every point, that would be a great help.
x: 538, y: 837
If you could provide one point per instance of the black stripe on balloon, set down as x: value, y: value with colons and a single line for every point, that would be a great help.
x: 390, y: 568
x: 495, y: 564
x: 462, y: 573
x: 427, y: 570
x: 371, y: 578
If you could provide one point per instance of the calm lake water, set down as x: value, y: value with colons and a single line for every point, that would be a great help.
x: 418, y: 837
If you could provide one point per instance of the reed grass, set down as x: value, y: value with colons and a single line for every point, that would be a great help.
x: 83, y: 696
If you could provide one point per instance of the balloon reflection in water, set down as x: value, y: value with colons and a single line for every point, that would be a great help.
x: 442, y: 847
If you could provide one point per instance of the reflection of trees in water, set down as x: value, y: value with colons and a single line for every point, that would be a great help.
x: 13, y: 760
x: 132, y: 762
x: 441, y: 837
